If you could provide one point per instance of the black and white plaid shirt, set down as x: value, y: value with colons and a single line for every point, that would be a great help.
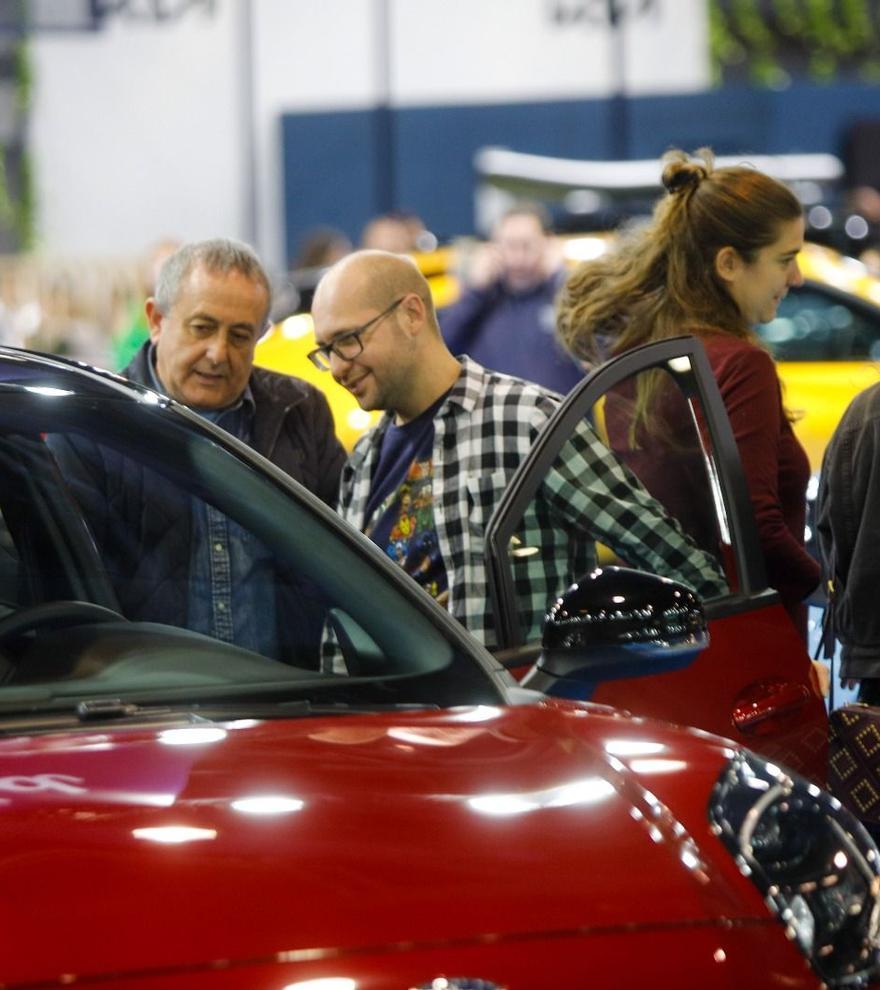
x: 482, y: 431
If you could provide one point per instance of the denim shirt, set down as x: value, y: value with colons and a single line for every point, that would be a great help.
x: 231, y: 594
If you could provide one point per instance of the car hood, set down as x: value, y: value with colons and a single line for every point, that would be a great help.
x: 139, y: 849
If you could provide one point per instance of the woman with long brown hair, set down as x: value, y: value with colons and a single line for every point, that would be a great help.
x: 716, y: 260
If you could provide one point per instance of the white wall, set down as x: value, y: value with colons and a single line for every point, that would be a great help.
x: 147, y: 130
x: 136, y: 133
x: 466, y: 51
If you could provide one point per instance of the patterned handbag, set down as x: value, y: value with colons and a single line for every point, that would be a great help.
x: 854, y: 759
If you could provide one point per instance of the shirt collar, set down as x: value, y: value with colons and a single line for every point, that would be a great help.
x: 468, y: 387
x: 464, y: 395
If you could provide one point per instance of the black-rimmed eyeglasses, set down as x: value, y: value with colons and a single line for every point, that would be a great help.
x: 348, y: 345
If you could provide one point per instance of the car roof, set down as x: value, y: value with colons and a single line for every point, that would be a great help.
x: 24, y: 368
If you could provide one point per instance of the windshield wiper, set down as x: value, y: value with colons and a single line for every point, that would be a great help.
x: 51, y: 715
x: 100, y: 709
x: 104, y: 708
x: 303, y: 707
x: 112, y: 709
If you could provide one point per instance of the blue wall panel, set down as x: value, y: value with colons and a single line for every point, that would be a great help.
x: 728, y: 121
x: 332, y: 165
x: 816, y: 118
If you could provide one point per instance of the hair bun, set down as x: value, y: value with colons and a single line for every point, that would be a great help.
x: 680, y: 176
x: 681, y: 172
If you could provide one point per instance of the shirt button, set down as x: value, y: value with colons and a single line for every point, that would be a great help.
x: 221, y: 606
x: 218, y: 548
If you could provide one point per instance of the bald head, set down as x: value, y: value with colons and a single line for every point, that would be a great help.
x: 374, y: 279
x: 375, y: 322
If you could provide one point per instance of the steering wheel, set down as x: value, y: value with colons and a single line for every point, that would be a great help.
x: 53, y: 615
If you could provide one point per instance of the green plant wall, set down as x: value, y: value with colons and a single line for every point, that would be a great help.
x: 16, y: 181
x: 776, y: 42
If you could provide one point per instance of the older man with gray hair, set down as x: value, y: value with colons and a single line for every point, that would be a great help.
x: 211, y: 306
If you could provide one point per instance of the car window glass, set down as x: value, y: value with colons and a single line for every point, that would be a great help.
x: 42, y: 530
x: 812, y: 325
x: 102, y: 505
x: 10, y: 569
x: 631, y: 491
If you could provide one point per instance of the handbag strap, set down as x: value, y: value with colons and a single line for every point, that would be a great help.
x: 827, y: 641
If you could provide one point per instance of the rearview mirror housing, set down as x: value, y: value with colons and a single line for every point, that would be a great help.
x: 613, y: 623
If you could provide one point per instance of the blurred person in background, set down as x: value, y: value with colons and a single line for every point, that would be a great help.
x: 505, y: 316
x: 716, y: 260
x: 861, y: 158
x: 399, y: 232
x: 131, y: 337
x: 319, y: 248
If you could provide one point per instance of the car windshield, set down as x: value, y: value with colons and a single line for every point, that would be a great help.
x: 142, y: 562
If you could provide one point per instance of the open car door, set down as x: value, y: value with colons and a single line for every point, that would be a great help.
x: 755, y: 682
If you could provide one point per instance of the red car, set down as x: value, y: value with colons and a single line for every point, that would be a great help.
x: 362, y: 798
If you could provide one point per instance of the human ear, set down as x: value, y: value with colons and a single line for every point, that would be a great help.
x: 154, y: 319
x: 727, y: 263
x: 414, y: 312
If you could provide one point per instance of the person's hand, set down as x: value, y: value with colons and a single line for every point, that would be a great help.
x: 822, y: 676
x: 554, y: 257
x: 485, y: 267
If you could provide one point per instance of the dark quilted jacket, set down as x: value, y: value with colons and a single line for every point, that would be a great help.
x: 848, y: 525
x: 142, y: 524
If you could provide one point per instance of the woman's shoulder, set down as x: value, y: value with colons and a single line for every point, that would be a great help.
x: 728, y: 352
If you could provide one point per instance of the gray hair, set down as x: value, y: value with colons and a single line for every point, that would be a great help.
x: 220, y: 254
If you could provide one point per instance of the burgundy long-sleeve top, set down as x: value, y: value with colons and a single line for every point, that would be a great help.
x: 775, y: 464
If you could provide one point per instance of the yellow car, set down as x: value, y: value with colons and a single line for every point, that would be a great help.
x: 825, y: 338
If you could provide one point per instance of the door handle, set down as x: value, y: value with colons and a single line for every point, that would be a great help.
x: 766, y: 700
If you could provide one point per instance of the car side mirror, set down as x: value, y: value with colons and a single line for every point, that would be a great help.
x: 614, y: 623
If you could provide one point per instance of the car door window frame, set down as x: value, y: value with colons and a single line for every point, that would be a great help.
x: 697, y: 382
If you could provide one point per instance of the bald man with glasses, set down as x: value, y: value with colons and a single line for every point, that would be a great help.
x: 424, y: 481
